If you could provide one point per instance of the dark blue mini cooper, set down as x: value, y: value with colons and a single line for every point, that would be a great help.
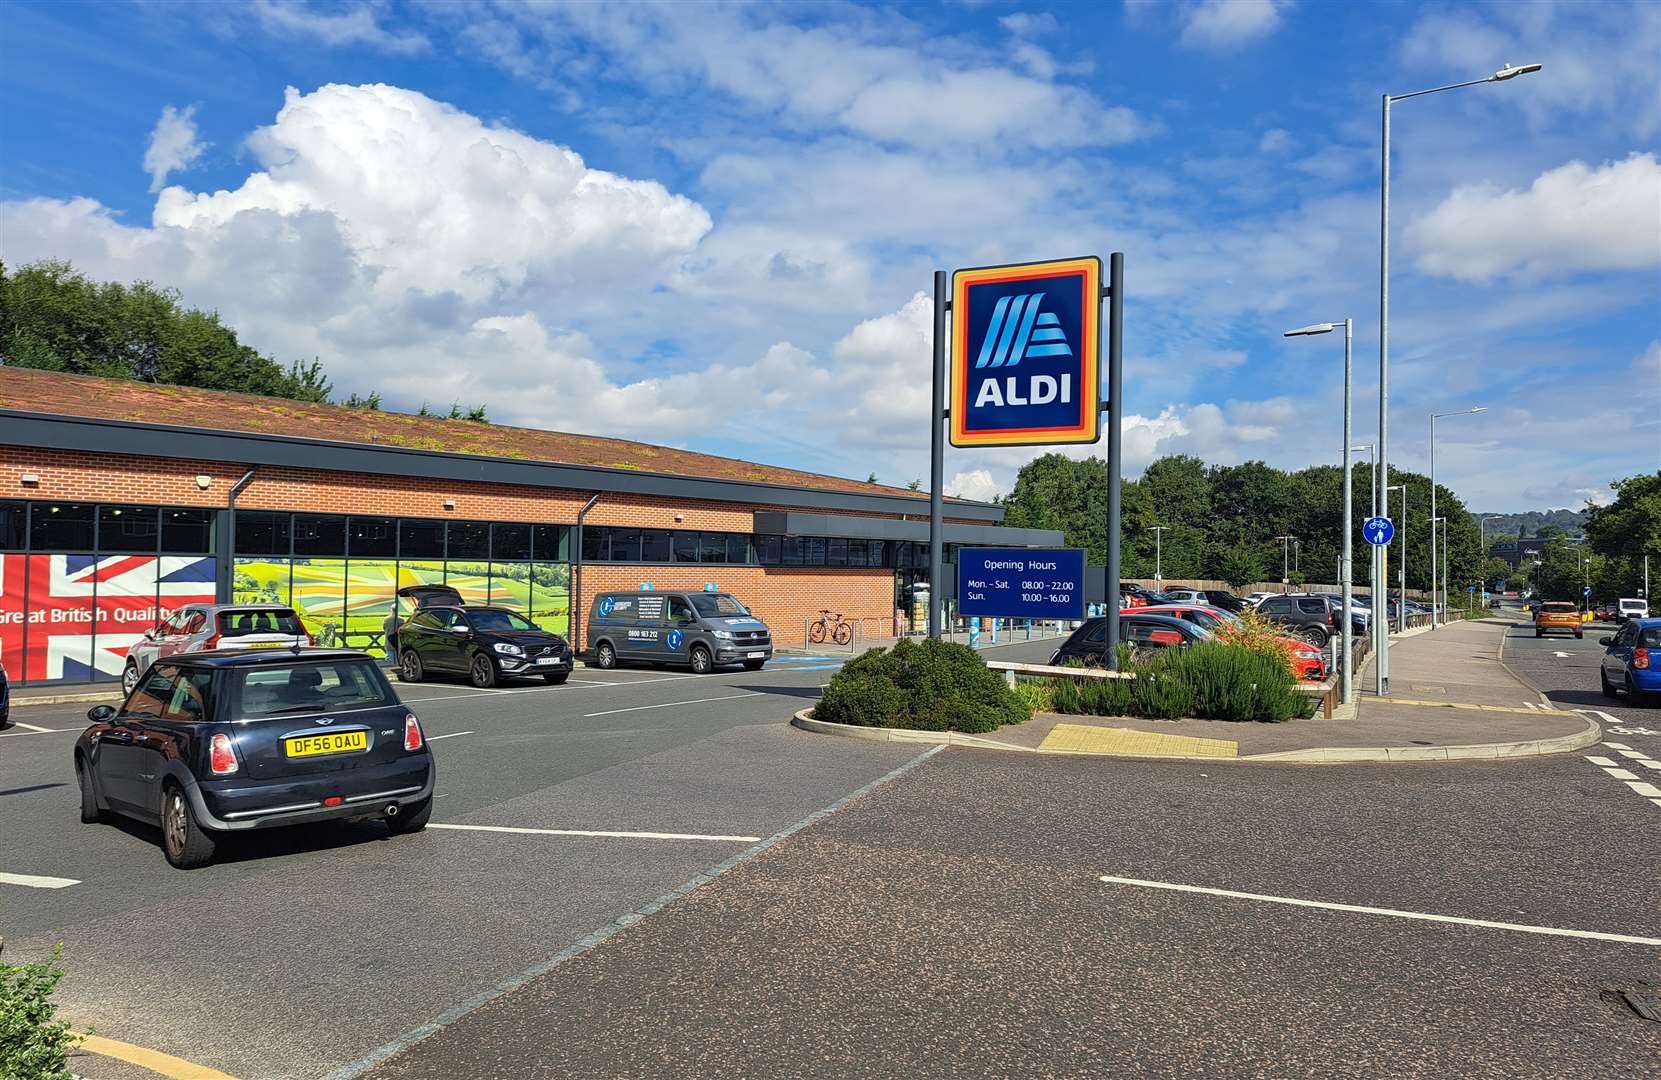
x: 216, y: 742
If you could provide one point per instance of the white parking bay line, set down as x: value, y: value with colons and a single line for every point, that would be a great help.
x: 35, y: 881
x: 1617, y: 746
x: 1621, y: 774
x: 1648, y: 791
x: 1552, y: 931
x: 453, y: 734
x: 669, y: 704
x: 1602, y: 762
x: 597, y: 832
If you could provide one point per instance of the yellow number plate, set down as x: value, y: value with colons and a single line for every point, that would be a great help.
x: 266, y: 645
x: 335, y: 742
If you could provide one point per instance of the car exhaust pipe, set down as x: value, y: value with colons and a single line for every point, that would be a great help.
x: 391, y: 809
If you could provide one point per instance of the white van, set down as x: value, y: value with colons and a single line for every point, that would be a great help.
x: 1629, y: 607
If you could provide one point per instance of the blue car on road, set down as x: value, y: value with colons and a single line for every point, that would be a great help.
x: 1632, y: 660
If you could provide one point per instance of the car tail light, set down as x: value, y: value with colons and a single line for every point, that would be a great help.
x: 412, y: 733
x: 221, y: 756
x: 1640, y: 658
x: 210, y: 642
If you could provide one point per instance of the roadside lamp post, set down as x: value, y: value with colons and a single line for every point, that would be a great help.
x: 1285, y: 567
x: 1373, y: 572
x: 1158, y: 576
x: 1401, y: 610
x: 1382, y: 641
x: 1482, y: 525
x: 1433, y: 518
x: 1346, y: 569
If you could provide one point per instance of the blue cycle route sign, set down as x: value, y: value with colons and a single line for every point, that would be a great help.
x: 1021, y: 583
x: 1378, y: 531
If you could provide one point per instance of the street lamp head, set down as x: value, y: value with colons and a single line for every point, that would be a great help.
x: 1509, y: 72
x: 1308, y: 331
x: 1479, y: 408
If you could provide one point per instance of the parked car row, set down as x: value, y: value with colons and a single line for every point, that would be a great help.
x: 233, y: 719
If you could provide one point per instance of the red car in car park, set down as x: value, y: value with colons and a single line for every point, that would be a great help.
x: 1307, y: 661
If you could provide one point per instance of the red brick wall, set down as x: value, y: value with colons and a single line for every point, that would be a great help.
x: 782, y: 597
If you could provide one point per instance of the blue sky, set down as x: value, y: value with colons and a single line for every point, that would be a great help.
x: 712, y: 225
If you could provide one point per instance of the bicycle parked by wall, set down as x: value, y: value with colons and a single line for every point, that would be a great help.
x: 830, y: 624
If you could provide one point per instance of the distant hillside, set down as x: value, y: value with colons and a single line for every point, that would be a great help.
x: 1529, y: 522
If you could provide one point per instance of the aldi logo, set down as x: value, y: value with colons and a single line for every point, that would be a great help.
x: 1024, y: 359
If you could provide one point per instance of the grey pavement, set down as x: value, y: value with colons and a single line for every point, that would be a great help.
x: 952, y: 924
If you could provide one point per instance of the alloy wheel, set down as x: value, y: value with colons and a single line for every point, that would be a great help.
x: 176, y: 824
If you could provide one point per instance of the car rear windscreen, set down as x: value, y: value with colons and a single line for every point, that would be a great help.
x: 311, y: 686
x: 1558, y: 608
x: 1650, y: 637
x: 269, y: 621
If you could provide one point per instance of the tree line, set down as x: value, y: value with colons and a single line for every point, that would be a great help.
x: 1222, y: 521
x: 54, y: 318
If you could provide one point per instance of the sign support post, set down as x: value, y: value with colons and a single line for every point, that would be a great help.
x: 1115, y: 411
x: 937, y: 455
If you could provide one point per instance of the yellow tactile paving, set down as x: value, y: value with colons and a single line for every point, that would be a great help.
x: 1088, y: 739
x: 1479, y: 708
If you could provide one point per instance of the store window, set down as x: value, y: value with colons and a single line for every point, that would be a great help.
x: 596, y: 544
x: 262, y: 532
x: 62, y: 527
x: 186, y: 530
x: 654, y: 545
x: 420, y: 539
x: 625, y: 545
x: 768, y: 549
x: 14, y: 522
x: 317, y: 535
x: 469, y: 540
x: 510, y: 542
x: 790, y: 551
x: 738, y: 548
x: 712, y: 547
x: 372, y: 537
x: 129, y: 529
x: 685, y: 546
x: 551, y: 543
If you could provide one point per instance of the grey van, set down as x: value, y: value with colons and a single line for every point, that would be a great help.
x: 698, y: 629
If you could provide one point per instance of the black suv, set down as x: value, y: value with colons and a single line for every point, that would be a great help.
x: 411, y: 599
x: 1310, y: 618
x: 487, y: 644
x: 215, y: 742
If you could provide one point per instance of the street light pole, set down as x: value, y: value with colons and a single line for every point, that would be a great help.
x: 1285, y: 565
x: 1158, y: 564
x: 1381, y: 638
x: 1433, y: 518
x: 1346, y: 567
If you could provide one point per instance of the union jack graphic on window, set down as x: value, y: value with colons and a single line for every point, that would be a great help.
x: 73, y: 617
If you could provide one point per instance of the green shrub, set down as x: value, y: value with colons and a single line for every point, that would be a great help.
x: 863, y: 698
x: 1159, y: 691
x: 1035, y: 696
x: 1232, y: 683
x: 33, y: 1041
x: 928, y: 686
x: 1212, y: 681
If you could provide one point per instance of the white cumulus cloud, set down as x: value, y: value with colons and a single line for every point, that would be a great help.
x: 353, y: 24
x: 175, y: 144
x: 1572, y: 218
x: 1224, y: 24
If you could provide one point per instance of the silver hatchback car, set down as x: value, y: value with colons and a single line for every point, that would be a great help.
x: 200, y: 627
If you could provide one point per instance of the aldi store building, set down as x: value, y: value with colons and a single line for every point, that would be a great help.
x: 121, y: 501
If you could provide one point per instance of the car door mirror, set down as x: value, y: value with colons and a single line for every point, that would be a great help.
x: 150, y: 634
x: 100, y: 714
x: 1606, y: 641
x: 461, y: 631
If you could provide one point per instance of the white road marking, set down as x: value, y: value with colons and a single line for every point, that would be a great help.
x: 1616, y: 745
x: 1562, y: 655
x: 595, y: 832
x: 1393, y: 912
x: 1621, y: 774
x: 1648, y: 764
x: 1657, y: 802
x: 1602, y: 762
x: 31, y: 727
x: 1632, y: 754
x: 42, y: 731
x: 34, y: 881
x: 1648, y: 791
x: 453, y: 734
x: 669, y: 704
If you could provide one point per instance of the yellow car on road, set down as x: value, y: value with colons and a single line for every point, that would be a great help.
x: 1557, y: 615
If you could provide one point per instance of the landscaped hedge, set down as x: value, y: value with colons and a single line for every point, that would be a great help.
x: 926, y: 686
x: 1211, y: 681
